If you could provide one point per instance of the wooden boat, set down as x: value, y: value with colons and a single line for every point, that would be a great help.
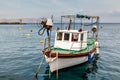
x: 72, y: 46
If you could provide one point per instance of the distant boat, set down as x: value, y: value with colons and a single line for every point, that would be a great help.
x: 72, y: 45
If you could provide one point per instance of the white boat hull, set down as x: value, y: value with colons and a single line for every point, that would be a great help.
x: 60, y: 63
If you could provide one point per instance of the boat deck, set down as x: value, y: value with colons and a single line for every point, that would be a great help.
x: 90, y: 46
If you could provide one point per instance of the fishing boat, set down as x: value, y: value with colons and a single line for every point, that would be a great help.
x: 73, y: 44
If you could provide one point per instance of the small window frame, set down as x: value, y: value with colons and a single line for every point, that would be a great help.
x: 59, y: 36
x: 66, y: 36
x: 82, y: 37
x: 75, y: 37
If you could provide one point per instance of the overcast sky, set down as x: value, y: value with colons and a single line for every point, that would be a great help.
x: 108, y: 10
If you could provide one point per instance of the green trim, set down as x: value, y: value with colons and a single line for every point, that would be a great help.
x: 82, y: 16
x: 90, y: 46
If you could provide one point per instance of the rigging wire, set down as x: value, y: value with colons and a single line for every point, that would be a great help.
x: 89, y: 24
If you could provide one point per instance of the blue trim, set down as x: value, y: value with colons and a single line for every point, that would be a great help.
x: 89, y: 57
x: 48, y: 33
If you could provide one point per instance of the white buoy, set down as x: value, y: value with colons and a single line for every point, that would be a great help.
x: 94, y: 28
x: 97, y: 44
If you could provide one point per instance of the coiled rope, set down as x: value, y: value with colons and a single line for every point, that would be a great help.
x: 42, y: 26
x: 41, y: 31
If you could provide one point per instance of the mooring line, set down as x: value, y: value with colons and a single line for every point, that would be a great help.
x: 38, y: 69
x: 57, y: 67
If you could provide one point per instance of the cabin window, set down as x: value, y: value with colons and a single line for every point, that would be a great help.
x: 59, y: 35
x: 82, y: 37
x: 75, y: 36
x: 66, y: 36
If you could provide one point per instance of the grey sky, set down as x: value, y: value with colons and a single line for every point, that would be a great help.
x: 108, y: 10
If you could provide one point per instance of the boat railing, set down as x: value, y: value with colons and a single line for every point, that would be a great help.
x: 80, y: 19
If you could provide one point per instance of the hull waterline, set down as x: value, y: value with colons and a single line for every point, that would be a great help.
x: 60, y: 63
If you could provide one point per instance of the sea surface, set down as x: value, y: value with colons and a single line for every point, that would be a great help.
x: 20, y: 55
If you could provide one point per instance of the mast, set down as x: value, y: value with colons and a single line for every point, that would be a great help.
x: 61, y: 22
x: 97, y: 22
x: 70, y: 24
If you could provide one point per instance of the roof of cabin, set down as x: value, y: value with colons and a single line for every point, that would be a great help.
x: 79, y: 16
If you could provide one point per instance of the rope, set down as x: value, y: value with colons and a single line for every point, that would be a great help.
x: 42, y: 26
x: 57, y: 66
x: 49, y: 74
x: 38, y: 24
x: 41, y: 31
x: 36, y: 74
x: 49, y: 70
x: 89, y: 55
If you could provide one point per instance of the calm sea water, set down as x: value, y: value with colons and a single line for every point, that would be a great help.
x: 20, y: 55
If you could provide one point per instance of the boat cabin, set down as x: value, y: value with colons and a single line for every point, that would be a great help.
x: 71, y: 39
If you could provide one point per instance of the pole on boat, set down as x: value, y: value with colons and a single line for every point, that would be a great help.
x: 70, y: 24
x: 61, y: 22
x: 97, y: 28
x: 74, y: 22
x: 49, y: 26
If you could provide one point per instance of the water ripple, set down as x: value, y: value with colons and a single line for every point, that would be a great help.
x: 21, y: 56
